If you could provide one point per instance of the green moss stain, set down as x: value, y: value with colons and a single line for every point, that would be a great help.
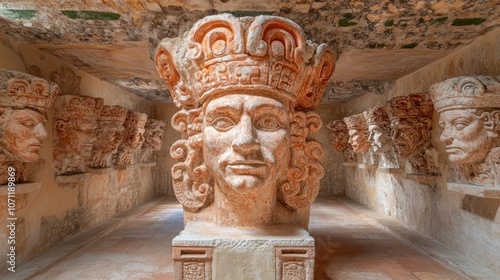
x: 409, y: 46
x: 389, y: 22
x: 467, y: 21
x: 345, y: 21
x: 247, y: 13
x: 18, y: 14
x: 438, y: 21
x: 91, y: 15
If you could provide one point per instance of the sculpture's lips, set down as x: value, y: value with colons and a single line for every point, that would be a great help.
x: 452, y: 149
x: 247, y: 167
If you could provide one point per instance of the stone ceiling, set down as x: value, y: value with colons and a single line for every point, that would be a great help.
x: 376, y: 41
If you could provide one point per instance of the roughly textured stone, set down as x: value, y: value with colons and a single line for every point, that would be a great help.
x: 133, y: 138
x: 339, y: 137
x: 153, y: 139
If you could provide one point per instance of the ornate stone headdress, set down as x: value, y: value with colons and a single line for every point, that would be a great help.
x: 357, y: 122
x: 76, y: 106
x: 376, y: 115
x: 466, y: 92
x: 337, y: 126
x: 20, y: 90
x: 113, y: 114
x: 412, y: 106
x: 155, y: 124
x: 135, y: 120
x: 264, y: 55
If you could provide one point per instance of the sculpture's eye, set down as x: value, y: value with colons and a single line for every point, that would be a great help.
x: 268, y: 123
x: 223, y: 124
x: 28, y: 123
x: 460, y: 126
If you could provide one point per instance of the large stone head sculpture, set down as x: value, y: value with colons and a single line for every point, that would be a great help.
x: 246, y: 88
x: 469, y: 115
x: 133, y: 138
x: 110, y: 134
x: 379, y: 129
x: 411, y: 123
x: 24, y: 101
x: 358, y: 133
x: 339, y: 137
x: 75, y: 121
x: 153, y: 138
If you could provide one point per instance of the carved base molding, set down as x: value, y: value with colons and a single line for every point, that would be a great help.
x: 367, y: 166
x: 21, y: 188
x: 203, y: 251
x: 105, y: 170
x: 349, y: 163
x: 147, y: 164
x: 475, y: 190
x: 397, y: 171
x: 422, y: 178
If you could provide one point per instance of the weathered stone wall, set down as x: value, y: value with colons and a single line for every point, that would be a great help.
x: 465, y: 223
x: 59, y: 210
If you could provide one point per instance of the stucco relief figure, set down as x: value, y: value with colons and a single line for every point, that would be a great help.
x: 24, y: 101
x: 153, y: 139
x: 469, y: 116
x: 109, y: 133
x: 133, y: 138
x: 358, y: 138
x: 411, y: 124
x: 75, y: 121
x: 246, y: 88
x: 379, y: 137
x: 339, y: 137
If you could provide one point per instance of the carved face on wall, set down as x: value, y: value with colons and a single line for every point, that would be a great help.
x: 153, y: 139
x: 378, y: 138
x: 410, y: 134
x: 468, y: 135
x: 110, y: 136
x: 134, y: 138
x: 359, y: 140
x: 77, y: 135
x: 246, y: 141
x: 339, y: 140
x: 22, y: 133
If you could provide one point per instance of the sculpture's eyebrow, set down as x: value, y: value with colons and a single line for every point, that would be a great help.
x: 223, y: 110
x: 271, y: 109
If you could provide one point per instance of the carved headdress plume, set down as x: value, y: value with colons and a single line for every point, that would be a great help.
x: 466, y: 92
x: 20, y: 90
x: 412, y: 106
x: 135, y: 120
x: 76, y: 106
x: 155, y: 124
x: 376, y: 115
x: 337, y: 126
x: 357, y: 122
x: 113, y: 114
x: 265, y: 55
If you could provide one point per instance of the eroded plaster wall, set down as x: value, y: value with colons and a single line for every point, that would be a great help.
x: 57, y: 211
x: 465, y: 223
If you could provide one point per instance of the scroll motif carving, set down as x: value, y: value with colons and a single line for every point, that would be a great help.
x: 153, y: 139
x: 75, y: 121
x: 24, y: 101
x: 411, y: 124
x: 110, y: 134
x: 469, y: 117
x: 245, y: 88
x: 339, y: 137
x: 133, y: 138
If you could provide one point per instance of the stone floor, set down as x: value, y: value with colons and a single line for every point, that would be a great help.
x: 350, y: 244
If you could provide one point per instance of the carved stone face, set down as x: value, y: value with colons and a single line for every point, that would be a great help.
x: 339, y: 140
x: 82, y: 136
x: 134, y: 138
x: 110, y: 136
x: 378, y: 138
x: 359, y: 140
x: 406, y: 136
x: 22, y: 134
x: 466, y: 135
x: 153, y: 139
x: 246, y: 141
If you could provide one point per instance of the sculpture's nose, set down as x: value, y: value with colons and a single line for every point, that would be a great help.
x: 40, y: 132
x: 245, y: 142
x: 446, y: 136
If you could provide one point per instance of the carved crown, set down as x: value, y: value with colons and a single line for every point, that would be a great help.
x: 153, y: 124
x: 135, y: 120
x: 337, y: 126
x: 113, y: 113
x: 411, y: 106
x: 376, y: 115
x: 357, y: 122
x: 76, y: 106
x: 466, y: 92
x: 265, y: 55
x: 26, y: 91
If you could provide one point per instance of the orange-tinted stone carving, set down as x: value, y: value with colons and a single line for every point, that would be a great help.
x: 379, y: 137
x: 133, y: 137
x: 246, y: 88
x: 153, y: 139
x: 339, y: 137
x: 75, y: 121
x: 24, y: 101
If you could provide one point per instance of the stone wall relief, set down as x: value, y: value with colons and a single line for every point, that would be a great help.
x: 153, y: 140
x: 24, y: 103
x: 358, y: 139
x: 469, y: 117
x: 75, y: 121
x: 133, y: 138
x: 339, y: 137
x: 380, y: 139
x: 411, y: 124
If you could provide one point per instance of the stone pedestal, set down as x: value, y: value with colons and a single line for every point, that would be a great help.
x: 204, y: 251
